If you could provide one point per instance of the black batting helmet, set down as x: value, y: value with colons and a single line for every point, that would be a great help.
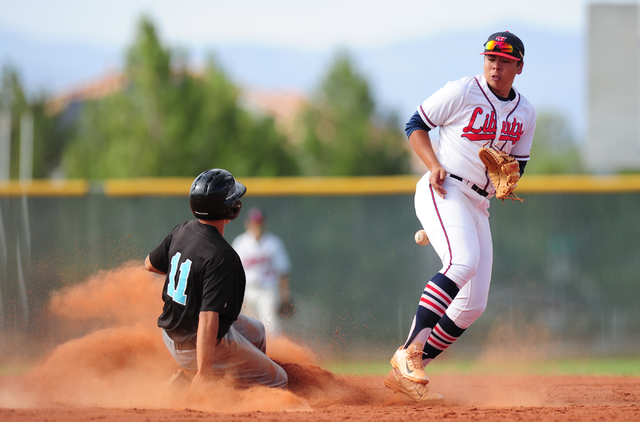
x: 215, y: 195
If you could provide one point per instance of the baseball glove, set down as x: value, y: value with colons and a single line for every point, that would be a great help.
x: 286, y: 308
x: 504, y: 172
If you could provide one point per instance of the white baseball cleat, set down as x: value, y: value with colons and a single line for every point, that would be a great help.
x: 418, y: 392
x: 409, y: 362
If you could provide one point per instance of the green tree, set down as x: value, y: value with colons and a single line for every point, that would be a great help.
x: 169, y: 121
x: 554, y: 150
x: 343, y: 135
x: 49, y: 132
x: 13, y: 100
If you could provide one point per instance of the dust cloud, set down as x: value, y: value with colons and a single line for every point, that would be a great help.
x: 116, y: 358
x: 512, y: 346
x: 516, y: 342
x: 112, y: 355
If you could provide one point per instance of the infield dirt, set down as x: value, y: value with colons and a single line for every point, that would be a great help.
x: 114, y: 367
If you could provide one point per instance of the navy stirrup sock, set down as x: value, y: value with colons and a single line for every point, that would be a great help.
x: 442, y: 336
x: 436, y: 298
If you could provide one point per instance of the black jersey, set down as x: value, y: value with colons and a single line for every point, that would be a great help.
x: 204, y: 273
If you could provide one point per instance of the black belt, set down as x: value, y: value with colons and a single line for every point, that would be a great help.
x: 476, y: 188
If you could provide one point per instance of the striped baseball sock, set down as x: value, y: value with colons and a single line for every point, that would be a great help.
x: 442, y: 336
x: 436, y: 298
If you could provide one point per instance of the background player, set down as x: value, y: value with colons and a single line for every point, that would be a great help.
x: 452, y: 200
x: 203, y: 292
x: 267, y: 267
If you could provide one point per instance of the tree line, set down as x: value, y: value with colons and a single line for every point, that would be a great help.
x: 169, y: 121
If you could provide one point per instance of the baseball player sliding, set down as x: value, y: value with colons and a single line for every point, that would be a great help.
x: 201, y: 321
x: 452, y: 201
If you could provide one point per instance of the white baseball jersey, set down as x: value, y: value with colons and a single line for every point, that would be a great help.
x: 265, y: 260
x: 470, y: 116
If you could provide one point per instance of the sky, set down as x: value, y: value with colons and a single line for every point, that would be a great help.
x: 299, y: 37
x: 308, y: 24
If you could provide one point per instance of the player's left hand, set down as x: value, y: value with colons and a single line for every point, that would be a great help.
x: 504, y: 171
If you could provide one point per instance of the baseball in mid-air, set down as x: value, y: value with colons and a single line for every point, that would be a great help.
x: 421, y: 238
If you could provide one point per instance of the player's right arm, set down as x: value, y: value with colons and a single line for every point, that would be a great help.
x: 149, y: 267
x: 205, y: 345
x: 421, y: 143
x: 158, y: 259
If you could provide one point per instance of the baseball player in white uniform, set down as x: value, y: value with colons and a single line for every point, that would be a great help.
x: 267, y: 266
x: 452, y: 200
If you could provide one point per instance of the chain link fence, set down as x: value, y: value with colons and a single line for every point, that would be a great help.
x: 565, y: 280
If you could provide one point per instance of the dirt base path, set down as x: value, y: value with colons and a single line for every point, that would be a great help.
x: 114, y: 368
x: 321, y: 396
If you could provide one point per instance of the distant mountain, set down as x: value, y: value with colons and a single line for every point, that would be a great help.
x: 54, y: 66
x: 401, y: 74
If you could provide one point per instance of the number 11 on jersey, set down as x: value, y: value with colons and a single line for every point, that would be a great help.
x: 178, y: 292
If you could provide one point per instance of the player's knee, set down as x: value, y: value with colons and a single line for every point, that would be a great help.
x: 471, y: 313
x: 280, y: 378
x: 463, y: 271
x: 254, y: 331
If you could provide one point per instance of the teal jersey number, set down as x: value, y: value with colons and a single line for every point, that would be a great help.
x: 178, y: 292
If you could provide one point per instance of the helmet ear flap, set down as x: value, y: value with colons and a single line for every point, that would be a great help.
x: 234, y: 210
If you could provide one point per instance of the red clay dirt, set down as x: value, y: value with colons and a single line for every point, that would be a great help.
x: 320, y: 396
x: 115, y: 368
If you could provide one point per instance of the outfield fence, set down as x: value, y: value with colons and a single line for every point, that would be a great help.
x: 565, y: 280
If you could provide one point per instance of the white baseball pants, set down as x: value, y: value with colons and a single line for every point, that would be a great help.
x: 458, y: 228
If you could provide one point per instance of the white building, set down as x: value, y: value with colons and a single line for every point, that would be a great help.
x: 613, y: 51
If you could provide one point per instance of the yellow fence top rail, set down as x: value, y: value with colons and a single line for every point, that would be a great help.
x: 375, y: 185
x: 313, y: 186
x: 170, y: 186
x: 277, y: 186
x: 578, y: 184
x: 45, y: 187
x: 381, y: 185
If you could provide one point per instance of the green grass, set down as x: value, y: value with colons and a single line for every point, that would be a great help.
x: 593, y: 367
